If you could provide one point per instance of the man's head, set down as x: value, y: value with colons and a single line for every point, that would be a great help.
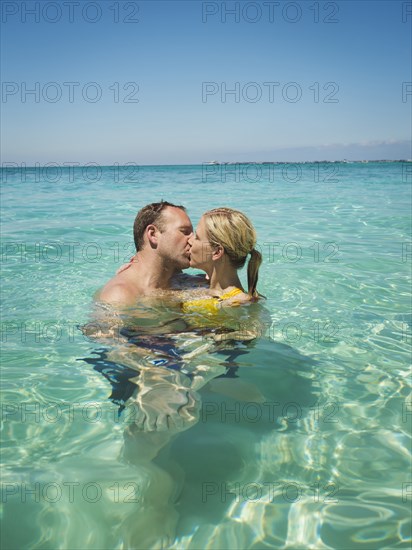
x: 166, y: 228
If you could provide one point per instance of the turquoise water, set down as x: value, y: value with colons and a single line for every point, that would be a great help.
x: 322, y: 462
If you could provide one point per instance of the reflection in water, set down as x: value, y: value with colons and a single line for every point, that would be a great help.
x: 118, y: 375
x: 162, y: 372
x: 154, y: 526
x: 249, y: 481
x: 189, y: 382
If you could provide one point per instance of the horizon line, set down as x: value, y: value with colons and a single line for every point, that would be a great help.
x: 53, y: 164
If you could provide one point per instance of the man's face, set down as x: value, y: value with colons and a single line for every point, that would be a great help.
x: 173, y: 242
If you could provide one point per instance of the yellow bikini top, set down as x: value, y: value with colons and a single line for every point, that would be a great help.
x: 209, y: 305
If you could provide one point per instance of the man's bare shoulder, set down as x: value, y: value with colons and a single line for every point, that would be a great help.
x: 118, y: 292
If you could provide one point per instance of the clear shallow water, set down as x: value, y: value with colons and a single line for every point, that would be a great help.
x: 323, y: 462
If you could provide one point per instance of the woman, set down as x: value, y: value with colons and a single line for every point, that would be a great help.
x: 220, y: 246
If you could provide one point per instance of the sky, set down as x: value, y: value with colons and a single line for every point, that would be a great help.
x: 186, y: 82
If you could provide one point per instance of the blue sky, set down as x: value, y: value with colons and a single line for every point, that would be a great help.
x: 151, y: 81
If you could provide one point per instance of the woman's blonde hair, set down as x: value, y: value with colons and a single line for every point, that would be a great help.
x: 235, y: 232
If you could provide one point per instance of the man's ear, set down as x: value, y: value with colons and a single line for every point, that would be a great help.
x: 151, y: 232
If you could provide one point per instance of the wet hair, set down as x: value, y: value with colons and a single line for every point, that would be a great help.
x: 150, y: 214
x: 235, y: 232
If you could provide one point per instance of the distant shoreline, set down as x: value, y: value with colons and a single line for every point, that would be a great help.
x: 62, y: 165
x: 345, y: 161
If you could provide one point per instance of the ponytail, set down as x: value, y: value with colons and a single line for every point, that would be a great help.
x: 252, y: 272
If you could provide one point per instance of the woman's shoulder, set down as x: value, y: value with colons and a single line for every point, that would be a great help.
x: 236, y: 297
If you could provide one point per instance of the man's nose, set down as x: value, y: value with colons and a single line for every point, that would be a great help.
x: 190, y: 239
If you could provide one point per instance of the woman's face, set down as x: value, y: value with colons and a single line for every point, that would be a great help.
x: 201, y: 250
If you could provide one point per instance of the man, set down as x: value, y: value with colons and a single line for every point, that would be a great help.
x: 161, y: 234
x: 165, y: 400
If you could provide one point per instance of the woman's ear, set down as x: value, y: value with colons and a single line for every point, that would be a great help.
x: 218, y: 252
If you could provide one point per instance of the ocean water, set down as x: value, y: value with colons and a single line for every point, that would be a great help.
x: 308, y: 445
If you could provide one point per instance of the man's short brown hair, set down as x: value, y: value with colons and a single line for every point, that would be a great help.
x: 150, y: 214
